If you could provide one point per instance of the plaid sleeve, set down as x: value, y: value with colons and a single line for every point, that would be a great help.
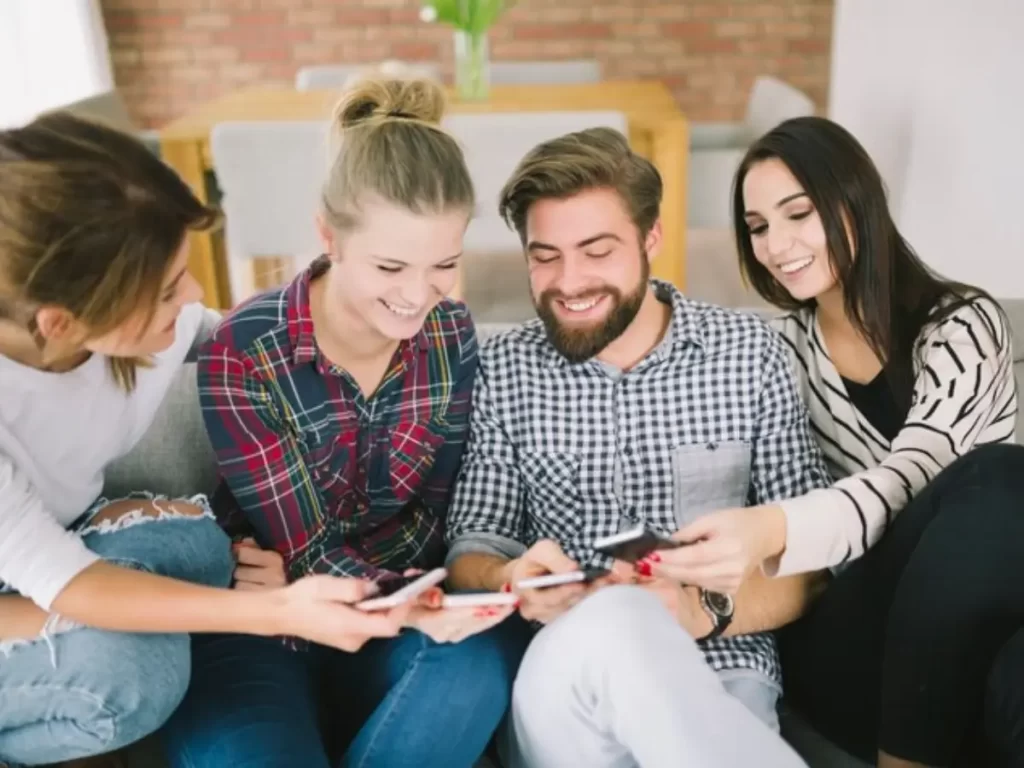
x: 787, y: 461
x: 487, y: 505
x: 437, y: 489
x: 262, y: 464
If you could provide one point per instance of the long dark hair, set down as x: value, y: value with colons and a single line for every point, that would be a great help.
x: 888, y: 292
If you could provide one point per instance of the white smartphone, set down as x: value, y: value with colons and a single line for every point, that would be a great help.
x: 559, y: 579
x: 395, y: 592
x: 479, y: 599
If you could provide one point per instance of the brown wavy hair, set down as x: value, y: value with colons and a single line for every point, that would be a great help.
x: 90, y: 221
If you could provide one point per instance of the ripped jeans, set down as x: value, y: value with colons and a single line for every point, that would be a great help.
x: 76, y: 692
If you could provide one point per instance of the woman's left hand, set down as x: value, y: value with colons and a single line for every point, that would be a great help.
x: 450, y: 625
x: 720, y: 549
x: 257, y: 568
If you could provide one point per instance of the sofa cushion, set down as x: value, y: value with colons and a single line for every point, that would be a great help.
x: 174, y: 457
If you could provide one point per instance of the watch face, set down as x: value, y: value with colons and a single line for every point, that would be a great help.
x: 719, y: 603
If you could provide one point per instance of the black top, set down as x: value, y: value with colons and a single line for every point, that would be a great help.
x: 876, y: 402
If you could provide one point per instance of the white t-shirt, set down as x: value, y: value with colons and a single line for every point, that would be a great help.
x: 58, y: 433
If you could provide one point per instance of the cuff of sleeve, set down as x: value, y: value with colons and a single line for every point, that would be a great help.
x: 811, y: 537
x: 484, y: 544
x: 65, y: 559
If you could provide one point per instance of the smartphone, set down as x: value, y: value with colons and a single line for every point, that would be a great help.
x: 632, y: 545
x: 479, y: 599
x: 395, y: 592
x: 549, y: 580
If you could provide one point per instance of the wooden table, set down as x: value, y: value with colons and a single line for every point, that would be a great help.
x: 657, y: 130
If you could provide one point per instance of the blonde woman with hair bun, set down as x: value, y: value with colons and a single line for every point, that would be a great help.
x: 338, y: 407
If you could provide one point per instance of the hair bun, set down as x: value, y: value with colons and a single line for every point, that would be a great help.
x: 379, y: 95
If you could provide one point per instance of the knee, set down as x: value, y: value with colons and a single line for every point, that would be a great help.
x: 1000, y: 465
x: 615, y: 629
x: 613, y: 621
x: 135, y: 681
x: 190, y: 546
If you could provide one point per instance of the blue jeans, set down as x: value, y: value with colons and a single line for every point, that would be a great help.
x: 404, y: 702
x: 79, y: 692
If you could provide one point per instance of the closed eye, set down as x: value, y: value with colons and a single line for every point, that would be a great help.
x: 760, y: 229
x: 599, y: 255
x: 390, y: 270
x: 450, y: 265
x: 799, y: 216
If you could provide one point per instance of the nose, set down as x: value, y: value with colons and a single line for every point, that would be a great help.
x: 779, y: 241
x: 417, y: 290
x: 571, y: 277
x: 192, y: 291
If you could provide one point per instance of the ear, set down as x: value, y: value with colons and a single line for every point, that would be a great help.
x: 652, y: 243
x: 327, y: 238
x: 55, y: 324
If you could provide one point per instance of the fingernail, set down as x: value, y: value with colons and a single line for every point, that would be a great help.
x: 506, y: 587
x: 643, y: 568
x: 654, y: 557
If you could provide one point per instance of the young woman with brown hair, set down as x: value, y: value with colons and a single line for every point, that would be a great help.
x: 97, y: 314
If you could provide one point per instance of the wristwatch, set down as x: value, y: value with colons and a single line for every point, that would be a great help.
x: 720, y: 608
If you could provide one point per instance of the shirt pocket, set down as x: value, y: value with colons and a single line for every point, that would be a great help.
x: 552, y: 490
x: 413, y: 450
x: 709, y: 476
x: 330, y: 464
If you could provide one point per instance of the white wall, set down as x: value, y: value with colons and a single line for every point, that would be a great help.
x: 52, y: 52
x: 935, y: 91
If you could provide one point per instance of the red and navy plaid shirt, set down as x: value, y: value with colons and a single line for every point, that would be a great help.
x: 336, y: 482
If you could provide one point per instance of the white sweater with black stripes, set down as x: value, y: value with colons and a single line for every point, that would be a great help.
x: 964, y: 395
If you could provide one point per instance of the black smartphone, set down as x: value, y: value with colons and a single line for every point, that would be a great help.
x: 632, y: 545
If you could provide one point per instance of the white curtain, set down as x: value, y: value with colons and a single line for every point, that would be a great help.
x: 52, y: 52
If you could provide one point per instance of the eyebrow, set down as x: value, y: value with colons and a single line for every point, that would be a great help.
x: 779, y: 204
x: 539, y: 246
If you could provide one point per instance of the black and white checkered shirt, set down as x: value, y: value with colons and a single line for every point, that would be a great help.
x: 710, y: 419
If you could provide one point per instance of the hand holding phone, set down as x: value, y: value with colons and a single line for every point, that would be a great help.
x: 395, y: 592
x: 546, y: 560
x: 634, y: 544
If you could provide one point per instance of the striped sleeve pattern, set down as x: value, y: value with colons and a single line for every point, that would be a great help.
x: 964, y: 395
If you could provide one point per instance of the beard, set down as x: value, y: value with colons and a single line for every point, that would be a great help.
x: 578, y: 344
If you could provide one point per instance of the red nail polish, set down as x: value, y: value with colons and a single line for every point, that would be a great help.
x: 654, y: 557
x: 506, y: 587
x: 643, y: 568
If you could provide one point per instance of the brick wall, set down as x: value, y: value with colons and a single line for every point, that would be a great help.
x: 170, y: 54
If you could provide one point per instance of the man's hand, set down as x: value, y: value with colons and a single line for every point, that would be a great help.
x: 722, y: 548
x: 683, y: 603
x: 544, y: 605
x: 257, y: 568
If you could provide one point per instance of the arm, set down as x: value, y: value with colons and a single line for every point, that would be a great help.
x: 485, y: 520
x: 727, y: 546
x: 964, y: 386
x: 53, y: 569
x: 262, y: 464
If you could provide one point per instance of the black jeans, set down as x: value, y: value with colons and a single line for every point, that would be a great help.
x: 917, y: 648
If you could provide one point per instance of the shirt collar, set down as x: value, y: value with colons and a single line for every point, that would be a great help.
x: 684, y: 330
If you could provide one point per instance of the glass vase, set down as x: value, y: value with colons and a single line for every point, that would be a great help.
x: 472, y: 66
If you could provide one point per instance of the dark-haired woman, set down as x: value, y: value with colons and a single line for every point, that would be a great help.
x: 914, y: 654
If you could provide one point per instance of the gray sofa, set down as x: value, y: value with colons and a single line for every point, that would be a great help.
x: 175, y: 458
